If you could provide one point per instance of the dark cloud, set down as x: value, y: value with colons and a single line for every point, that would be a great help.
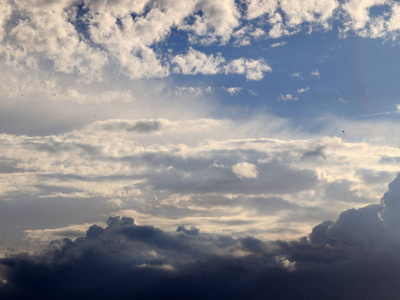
x: 315, y: 153
x: 192, y: 231
x: 355, y: 257
x: 373, y: 177
x: 145, y: 126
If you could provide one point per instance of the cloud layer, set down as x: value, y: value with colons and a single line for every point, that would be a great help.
x: 355, y: 256
x: 202, y: 172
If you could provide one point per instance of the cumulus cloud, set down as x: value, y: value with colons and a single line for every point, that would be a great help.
x: 359, y: 18
x: 257, y: 8
x: 254, y: 69
x: 309, y: 11
x: 245, y: 170
x: 85, y: 40
x: 217, y: 21
x: 196, y: 62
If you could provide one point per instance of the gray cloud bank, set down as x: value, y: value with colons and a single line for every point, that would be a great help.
x: 355, y: 257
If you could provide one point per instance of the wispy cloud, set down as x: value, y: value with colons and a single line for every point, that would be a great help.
x: 297, y: 74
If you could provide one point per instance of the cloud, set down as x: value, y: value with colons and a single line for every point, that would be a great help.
x: 233, y: 90
x: 319, y: 12
x: 145, y: 126
x: 245, y: 170
x: 359, y: 18
x: 280, y: 44
x: 254, y: 69
x: 355, y: 256
x: 286, y: 16
x: 190, y: 172
x: 297, y: 74
x: 303, y: 90
x: 217, y: 21
x: 127, y: 37
x: 181, y: 91
x: 257, y: 8
x: 315, y: 74
x: 192, y: 231
x: 196, y: 62
x: 288, y: 97
x: 374, y: 225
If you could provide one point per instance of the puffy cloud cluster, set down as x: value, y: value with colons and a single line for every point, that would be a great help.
x: 86, y: 38
x: 195, y: 62
x: 356, y: 256
x: 361, y: 19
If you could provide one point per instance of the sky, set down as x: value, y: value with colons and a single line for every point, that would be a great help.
x: 248, y: 141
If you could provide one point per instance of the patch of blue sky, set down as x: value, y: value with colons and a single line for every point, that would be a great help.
x: 356, y: 75
x: 383, y: 10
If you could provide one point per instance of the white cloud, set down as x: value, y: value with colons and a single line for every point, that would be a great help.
x: 297, y: 74
x: 315, y: 73
x: 303, y: 90
x: 280, y: 44
x: 120, y: 7
x: 296, y: 13
x: 314, y: 11
x: 358, y: 12
x: 233, y: 90
x: 257, y: 8
x: 245, y: 170
x: 254, y: 69
x: 123, y: 36
x: 44, y: 33
x: 360, y: 20
x: 288, y: 97
x: 217, y: 21
x: 196, y: 62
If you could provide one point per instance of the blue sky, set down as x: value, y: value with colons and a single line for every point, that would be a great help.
x: 248, y: 118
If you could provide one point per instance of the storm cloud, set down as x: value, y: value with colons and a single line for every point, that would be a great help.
x: 356, y: 256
